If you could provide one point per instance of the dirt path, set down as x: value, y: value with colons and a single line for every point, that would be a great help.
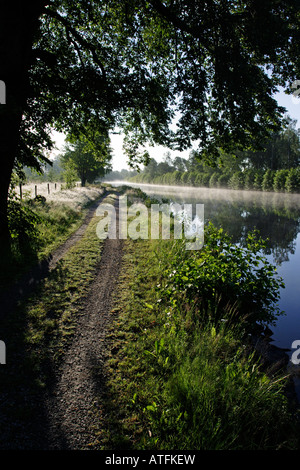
x: 74, y: 412
x: 62, y: 250
x: 68, y: 414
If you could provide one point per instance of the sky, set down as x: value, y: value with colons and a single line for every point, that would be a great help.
x: 119, y: 161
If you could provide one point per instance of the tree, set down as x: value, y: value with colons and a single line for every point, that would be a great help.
x: 267, y: 181
x: 179, y: 163
x: 133, y: 64
x: 280, y: 180
x: 292, y: 182
x: 151, y: 169
x: 88, y: 160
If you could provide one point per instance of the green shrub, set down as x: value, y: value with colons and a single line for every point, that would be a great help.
x: 258, y: 177
x: 184, y: 177
x: 223, y: 275
x: 249, y: 179
x: 205, y: 177
x: 23, y: 223
x: 222, y: 181
x: 70, y: 177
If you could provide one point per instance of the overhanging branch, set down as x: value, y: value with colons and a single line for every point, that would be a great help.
x: 80, y: 40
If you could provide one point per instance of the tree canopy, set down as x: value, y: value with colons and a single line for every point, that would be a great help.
x: 212, y: 66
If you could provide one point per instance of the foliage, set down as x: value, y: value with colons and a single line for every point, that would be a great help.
x: 236, y: 180
x: 178, y: 378
x: 249, y: 179
x: 292, y: 182
x: 213, y: 180
x: 86, y: 159
x: 211, y: 397
x: 86, y: 67
x: 267, y: 181
x: 135, y: 66
x: 23, y: 224
x: 70, y: 177
x: 234, y: 172
x: 223, y: 275
x: 280, y: 180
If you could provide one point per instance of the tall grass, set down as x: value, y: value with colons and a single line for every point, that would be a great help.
x: 216, y: 397
x: 181, y: 378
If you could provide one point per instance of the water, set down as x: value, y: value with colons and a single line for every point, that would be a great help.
x: 277, y: 217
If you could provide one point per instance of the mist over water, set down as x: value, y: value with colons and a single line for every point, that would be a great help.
x: 186, y: 194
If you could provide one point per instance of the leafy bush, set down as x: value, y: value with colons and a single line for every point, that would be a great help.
x: 184, y: 177
x: 22, y: 222
x: 213, y: 180
x: 223, y: 276
x: 70, y: 177
x: 204, y: 180
x: 249, y: 179
x: 222, y: 181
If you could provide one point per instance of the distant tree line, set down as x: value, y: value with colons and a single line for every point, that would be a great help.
x: 276, y: 168
x: 119, y: 175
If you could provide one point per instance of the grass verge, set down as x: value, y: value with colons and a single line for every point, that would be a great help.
x: 182, y: 374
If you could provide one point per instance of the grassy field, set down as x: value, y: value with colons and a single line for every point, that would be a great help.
x: 76, y: 198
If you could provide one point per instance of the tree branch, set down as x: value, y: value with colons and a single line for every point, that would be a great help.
x: 83, y: 42
x: 176, y: 21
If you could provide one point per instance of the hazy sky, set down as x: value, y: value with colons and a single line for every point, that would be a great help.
x: 291, y: 103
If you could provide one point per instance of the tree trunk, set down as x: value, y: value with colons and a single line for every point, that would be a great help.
x: 18, y: 25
